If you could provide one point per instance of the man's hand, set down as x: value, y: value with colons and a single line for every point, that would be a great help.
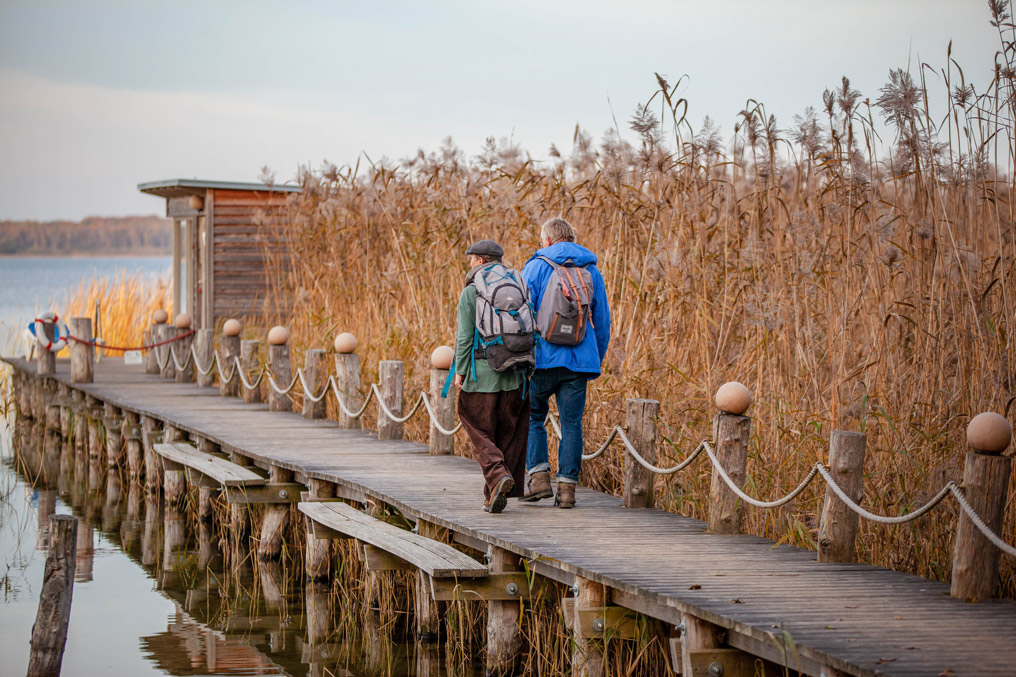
x: 459, y: 380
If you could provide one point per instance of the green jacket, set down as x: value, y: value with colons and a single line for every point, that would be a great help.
x: 487, y: 380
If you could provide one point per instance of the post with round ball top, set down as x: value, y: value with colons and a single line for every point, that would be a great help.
x: 347, y: 379
x: 182, y: 348
x: 731, y: 430
x: 986, y: 486
x: 159, y: 319
x: 279, y: 367
x: 441, y: 362
x: 229, y: 352
x: 316, y: 375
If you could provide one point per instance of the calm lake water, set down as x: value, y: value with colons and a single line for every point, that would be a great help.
x: 147, y: 602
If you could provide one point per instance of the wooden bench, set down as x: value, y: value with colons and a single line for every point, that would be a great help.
x: 434, y: 558
x: 242, y: 485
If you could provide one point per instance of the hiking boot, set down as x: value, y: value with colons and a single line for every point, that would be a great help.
x: 538, y: 487
x: 499, y: 497
x: 565, y: 495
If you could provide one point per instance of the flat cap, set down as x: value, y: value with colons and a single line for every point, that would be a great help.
x: 486, y: 248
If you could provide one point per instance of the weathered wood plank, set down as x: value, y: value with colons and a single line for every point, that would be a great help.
x: 226, y: 474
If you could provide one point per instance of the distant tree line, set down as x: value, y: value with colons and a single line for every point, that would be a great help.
x: 94, y: 235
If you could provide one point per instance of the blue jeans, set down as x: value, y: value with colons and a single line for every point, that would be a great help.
x: 569, y: 389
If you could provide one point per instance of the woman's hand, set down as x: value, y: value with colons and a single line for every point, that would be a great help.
x: 459, y: 380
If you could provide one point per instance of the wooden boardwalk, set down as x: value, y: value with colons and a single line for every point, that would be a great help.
x: 776, y: 602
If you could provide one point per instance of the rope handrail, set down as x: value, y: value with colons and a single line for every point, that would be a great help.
x: 433, y: 418
x: 342, y: 405
x: 148, y: 346
x: 243, y: 377
x: 388, y: 412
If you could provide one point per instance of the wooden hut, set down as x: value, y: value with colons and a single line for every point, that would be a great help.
x: 221, y: 233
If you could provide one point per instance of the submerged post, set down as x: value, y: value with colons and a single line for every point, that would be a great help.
x: 390, y: 374
x: 315, y: 373
x: 640, y: 420
x: 838, y: 527
x: 279, y: 366
x: 249, y: 364
x: 49, y: 634
x: 986, y: 488
x: 347, y: 378
x: 82, y: 355
x: 204, y: 349
x: 229, y: 352
x: 731, y: 431
x: 444, y: 407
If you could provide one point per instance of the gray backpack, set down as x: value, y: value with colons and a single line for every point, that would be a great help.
x: 505, y: 329
x: 565, y: 308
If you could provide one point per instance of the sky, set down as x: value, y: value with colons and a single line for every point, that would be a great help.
x: 98, y: 96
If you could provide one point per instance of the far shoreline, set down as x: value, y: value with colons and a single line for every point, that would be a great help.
x: 88, y: 255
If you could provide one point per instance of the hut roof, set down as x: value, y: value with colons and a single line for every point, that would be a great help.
x: 185, y: 187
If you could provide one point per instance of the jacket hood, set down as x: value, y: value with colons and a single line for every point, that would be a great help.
x: 562, y: 251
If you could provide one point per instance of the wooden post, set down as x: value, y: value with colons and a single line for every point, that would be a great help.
x: 280, y: 367
x: 46, y: 364
x: 204, y: 347
x: 730, y: 435
x: 640, y: 420
x: 135, y: 453
x: 316, y: 375
x: 49, y: 634
x: 239, y: 514
x: 229, y: 350
x: 429, y: 612
x: 273, y: 527
x: 444, y: 411
x: 206, y: 494
x: 318, y: 554
x: 838, y: 526
x: 503, y: 639
x: 587, y: 654
x: 975, y: 558
x: 82, y: 354
x: 698, y: 635
x: 182, y: 349
x: 390, y: 375
x: 166, y: 333
x: 112, y: 423
x: 251, y: 368
x: 152, y: 337
x: 347, y: 379
x: 174, y: 475
x: 153, y: 478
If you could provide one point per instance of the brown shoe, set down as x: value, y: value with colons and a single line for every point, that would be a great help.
x: 538, y: 487
x: 565, y: 495
x: 499, y: 497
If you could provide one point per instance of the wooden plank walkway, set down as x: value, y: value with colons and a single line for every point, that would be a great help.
x: 775, y: 602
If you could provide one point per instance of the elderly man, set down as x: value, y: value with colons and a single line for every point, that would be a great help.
x: 493, y: 357
x: 574, y: 322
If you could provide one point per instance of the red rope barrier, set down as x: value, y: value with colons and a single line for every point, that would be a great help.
x: 118, y: 348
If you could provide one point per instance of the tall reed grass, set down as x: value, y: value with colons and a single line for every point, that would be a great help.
x: 849, y: 284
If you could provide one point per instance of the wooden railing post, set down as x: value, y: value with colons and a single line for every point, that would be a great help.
x: 444, y: 407
x: 504, y: 641
x: 46, y: 363
x: 229, y: 351
x: 49, y: 634
x: 159, y: 318
x: 82, y: 354
x: 390, y: 375
x: 731, y: 431
x: 640, y: 421
x: 251, y: 368
x: 280, y: 367
x: 986, y: 488
x: 204, y: 348
x: 347, y: 378
x: 316, y: 374
x: 838, y: 526
x: 168, y: 332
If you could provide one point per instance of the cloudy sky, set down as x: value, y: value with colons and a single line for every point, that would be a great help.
x: 98, y: 96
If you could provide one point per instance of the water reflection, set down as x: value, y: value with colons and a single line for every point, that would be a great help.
x: 231, y: 614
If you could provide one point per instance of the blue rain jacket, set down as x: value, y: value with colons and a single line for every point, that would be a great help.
x: 587, y: 356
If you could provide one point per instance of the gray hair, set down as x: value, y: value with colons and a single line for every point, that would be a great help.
x: 557, y: 230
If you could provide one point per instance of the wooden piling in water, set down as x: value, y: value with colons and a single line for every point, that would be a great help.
x: 229, y: 352
x: 276, y: 518
x: 131, y: 431
x: 204, y: 348
x: 390, y: 375
x: 640, y: 421
x: 347, y: 380
x: 315, y: 373
x: 150, y: 428
x: 730, y: 436
x: 174, y: 478
x: 319, y: 550
x: 504, y: 641
x: 82, y: 354
x: 49, y: 634
x: 280, y: 367
x: 250, y: 366
x: 429, y: 614
x: 444, y: 412
x: 837, y: 529
x: 587, y: 653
